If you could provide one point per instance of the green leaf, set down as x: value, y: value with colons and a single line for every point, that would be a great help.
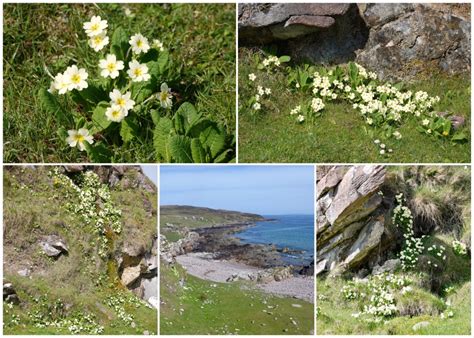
x: 214, y: 139
x: 62, y: 133
x: 128, y: 129
x: 459, y: 137
x: 151, y: 55
x: 284, y: 58
x: 162, y: 61
x: 141, y: 91
x: 189, y: 114
x: 180, y: 149
x: 50, y: 103
x: 161, y: 137
x: 197, y: 151
x: 223, y: 157
x: 98, y: 153
x: 198, y: 127
x: 93, y: 94
x: 155, y: 116
x: 99, y: 120
x: 119, y: 44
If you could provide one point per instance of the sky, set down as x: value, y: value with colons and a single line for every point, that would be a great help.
x: 152, y: 172
x: 265, y: 190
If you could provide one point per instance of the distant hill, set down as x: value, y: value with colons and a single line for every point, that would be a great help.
x: 196, y: 217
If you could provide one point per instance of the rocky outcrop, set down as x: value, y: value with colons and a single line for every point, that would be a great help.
x: 397, y: 41
x: 406, y: 39
x: 169, y: 250
x: 351, y: 217
x: 9, y: 293
x: 322, y: 33
x: 53, y: 246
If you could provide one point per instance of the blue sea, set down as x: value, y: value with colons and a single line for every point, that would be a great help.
x: 295, y: 232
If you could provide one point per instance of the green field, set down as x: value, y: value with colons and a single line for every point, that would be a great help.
x: 42, y: 39
x: 339, y: 135
x: 190, y: 305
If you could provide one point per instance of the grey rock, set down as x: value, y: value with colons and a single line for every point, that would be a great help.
x: 26, y: 272
x: 420, y: 325
x: 74, y: 168
x: 376, y: 14
x: 388, y: 266
x: 457, y: 121
x: 53, y: 245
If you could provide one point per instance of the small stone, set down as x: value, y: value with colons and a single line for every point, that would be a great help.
x: 420, y: 325
x: 297, y: 305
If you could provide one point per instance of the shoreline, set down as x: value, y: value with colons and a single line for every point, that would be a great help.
x: 205, y: 266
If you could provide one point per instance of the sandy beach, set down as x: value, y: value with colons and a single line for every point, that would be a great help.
x: 204, y: 266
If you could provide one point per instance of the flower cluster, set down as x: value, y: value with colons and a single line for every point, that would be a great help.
x: 91, y: 200
x: 349, y: 291
x: 271, y: 61
x: 261, y: 93
x: 459, y: 248
x: 75, y: 78
x: 437, y: 251
x: 413, y: 246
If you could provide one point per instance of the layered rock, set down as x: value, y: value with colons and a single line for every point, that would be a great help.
x: 351, y: 217
x: 397, y: 41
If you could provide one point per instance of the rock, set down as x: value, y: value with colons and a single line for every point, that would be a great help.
x: 9, y: 293
x: 74, y: 168
x: 297, y: 305
x: 53, y: 245
x: 307, y: 270
x: 153, y: 302
x: 420, y: 325
x: 130, y: 275
x: 457, y: 121
x: 389, y: 266
x: 283, y: 273
x: 406, y: 39
x: 351, y: 221
x: 26, y: 272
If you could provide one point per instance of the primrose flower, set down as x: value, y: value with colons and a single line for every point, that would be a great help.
x: 397, y: 135
x: 95, y: 27
x: 61, y: 83
x: 78, y: 138
x: 268, y: 91
x: 165, y: 96
x: 300, y: 118
x: 110, y: 66
x: 76, y: 78
x: 122, y: 100
x: 377, y: 141
x: 425, y: 122
x: 138, y: 71
x: 158, y: 45
x: 256, y: 106
x: 139, y: 44
x: 98, y: 42
x: 116, y: 113
x: 252, y: 77
x: 382, y: 152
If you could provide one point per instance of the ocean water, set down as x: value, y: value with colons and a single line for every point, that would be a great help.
x: 295, y: 232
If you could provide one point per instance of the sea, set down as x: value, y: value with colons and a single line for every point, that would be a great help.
x: 295, y: 232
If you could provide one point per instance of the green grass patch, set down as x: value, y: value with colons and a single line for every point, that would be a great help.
x: 42, y: 38
x: 193, y: 306
x: 339, y: 135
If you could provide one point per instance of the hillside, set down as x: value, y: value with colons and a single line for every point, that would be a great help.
x: 174, y: 218
x: 395, y: 257
x: 79, y: 250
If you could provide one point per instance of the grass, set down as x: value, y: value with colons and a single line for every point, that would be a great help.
x: 200, y: 38
x: 203, y: 307
x: 339, y: 136
x: 81, y: 280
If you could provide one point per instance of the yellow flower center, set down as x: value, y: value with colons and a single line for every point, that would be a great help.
x: 164, y: 96
x: 111, y: 67
x: 97, y: 40
x: 79, y: 138
x: 139, y: 43
x: 137, y: 71
x: 121, y: 102
x: 445, y: 133
x: 115, y: 113
x: 95, y: 27
x: 76, y: 78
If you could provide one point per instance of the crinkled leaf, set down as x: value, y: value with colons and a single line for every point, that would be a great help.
x: 98, y: 152
x: 180, y: 149
x: 189, y: 114
x: 162, y: 61
x: 213, y: 138
x: 99, y: 120
x: 119, y: 44
x: 197, y: 151
x: 223, y: 157
x: 151, y: 55
x: 52, y: 105
x: 128, y: 129
x: 459, y: 137
x: 161, y: 135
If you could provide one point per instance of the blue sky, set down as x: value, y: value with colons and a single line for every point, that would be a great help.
x: 152, y: 172
x: 265, y: 190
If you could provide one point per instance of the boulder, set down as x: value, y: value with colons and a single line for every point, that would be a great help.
x: 131, y: 274
x: 53, y: 245
x: 420, y: 325
x: 406, y: 39
x: 9, y: 293
x: 388, y: 266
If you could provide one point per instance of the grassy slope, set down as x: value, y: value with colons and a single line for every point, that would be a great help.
x: 71, y: 278
x: 200, y: 37
x: 223, y: 308
x: 338, y: 136
x: 335, y: 317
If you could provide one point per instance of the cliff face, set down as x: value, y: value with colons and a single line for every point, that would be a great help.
x: 352, y: 219
x: 85, y: 235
